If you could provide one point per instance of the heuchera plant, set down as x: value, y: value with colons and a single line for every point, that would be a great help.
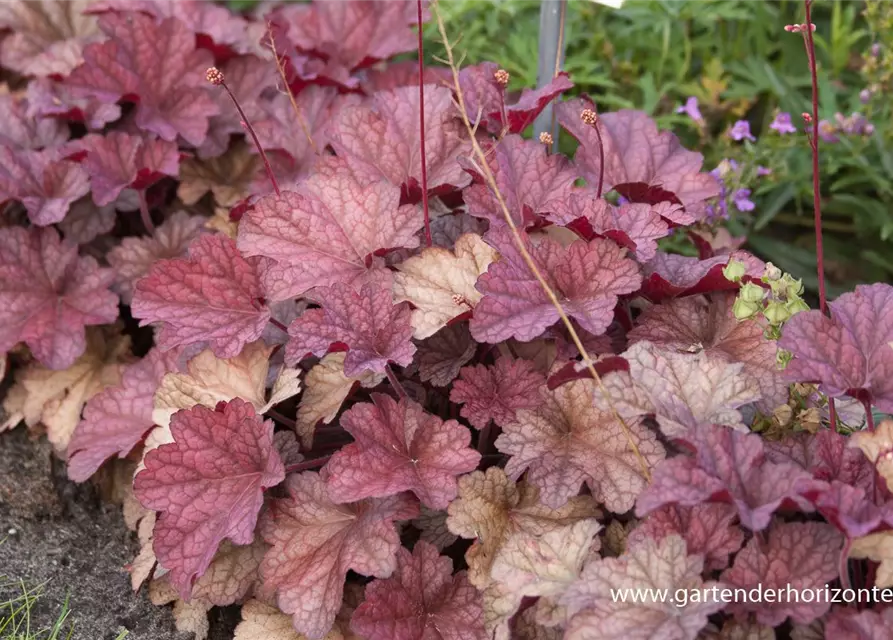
x: 371, y: 391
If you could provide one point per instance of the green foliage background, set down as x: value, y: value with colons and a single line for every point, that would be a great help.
x: 736, y: 58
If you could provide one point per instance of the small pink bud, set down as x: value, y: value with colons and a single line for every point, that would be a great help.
x: 546, y: 138
x: 502, y: 77
x: 792, y: 28
x: 214, y: 76
x: 590, y: 117
x: 806, y: 117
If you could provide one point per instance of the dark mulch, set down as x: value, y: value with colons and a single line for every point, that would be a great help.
x: 57, y: 532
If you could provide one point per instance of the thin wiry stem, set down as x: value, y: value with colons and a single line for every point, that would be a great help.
x: 392, y: 378
x: 291, y: 96
x: 306, y: 465
x: 816, y: 187
x: 484, y: 169
x: 144, y: 212
x: 428, y: 239
x: 257, y: 143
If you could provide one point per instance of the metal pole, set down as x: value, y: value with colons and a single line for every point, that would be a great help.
x: 551, y: 38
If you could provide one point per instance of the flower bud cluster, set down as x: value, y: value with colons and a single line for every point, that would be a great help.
x: 777, y: 297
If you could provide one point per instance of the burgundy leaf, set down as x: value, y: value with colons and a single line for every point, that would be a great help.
x: 118, y: 418
x: 383, y: 138
x: 350, y: 34
x: 166, y: 78
x: 851, y: 509
x: 827, y: 456
x: 442, y: 356
x: 399, y: 447
x: 849, y: 352
x: 486, y: 99
x: 57, y: 101
x: 42, y: 181
x: 641, y: 163
x: 694, y: 324
x: 728, y: 466
x: 423, y: 600
x: 798, y: 556
x: 213, y: 296
x: 227, y: 31
x: 708, y: 530
x: 532, y: 182
x: 119, y: 160
x: 48, y: 294
x: 323, y: 233
x: 498, y: 391
x: 315, y: 542
x: 374, y: 329
x: 45, y: 37
x: 208, y: 485
x: 586, y: 277
x: 670, y: 275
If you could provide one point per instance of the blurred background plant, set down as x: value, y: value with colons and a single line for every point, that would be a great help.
x: 723, y: 74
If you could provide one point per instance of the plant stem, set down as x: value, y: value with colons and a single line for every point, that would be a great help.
x: 283, y: 419
x: 392, y: 378
x: 144, y: 212
x: 483, y: 168
x: 869, y: 417
x: 257, y: 144
x: 816, y: 187
x: 484, y: 438
x: 428, y: 239
x: 306, y: 465
x: 278, y: 325
x: 291, y: 96
x: 601, y: 158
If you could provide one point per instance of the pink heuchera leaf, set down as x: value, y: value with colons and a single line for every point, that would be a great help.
x: 167, y: 78
x: 596, y: 612
x: 24, y: 131
x: 323, y: 233
x: 851, y: 509
x: 827, y: 456
x: 485, y: 99
x: 227, y: 31
x: 42, y: 181
x: 46, y: 37
x: 383, y: 139
x: 374, y: 329
x: 849, y: 624
x: 683, y: 390
x: 352, y: 34
x: 532, y: 182
x: 694, y: 324
x: 637, y: 227
x: 315, y: 542
x: 797, y: 555
x: 641, y: 163
x: 48, y: 294
x: 498, y: 391
x: 119, y: 160
x: 277, y: 130
x: 208, y: 485
x: 422, y: 600
x: 568, y: 441
x: 670, y: 275
x: 54, y: 100
x: 728, y: 466
x: 848, y: 353
x: 133, y: 258
x: 118, y: 418
x: 214, y: 295
x: 708, y: 529
x: 399, y: 447
x: 587, y: 277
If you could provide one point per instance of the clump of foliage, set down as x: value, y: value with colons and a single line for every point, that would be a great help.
x: 371, y: 391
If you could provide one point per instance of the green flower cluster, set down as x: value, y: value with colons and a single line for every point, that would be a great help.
x: 777, y: 297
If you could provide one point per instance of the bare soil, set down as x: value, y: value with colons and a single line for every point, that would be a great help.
x: 55, y: 532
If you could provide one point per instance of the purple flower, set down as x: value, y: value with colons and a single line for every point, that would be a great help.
x: 690, y: 108
x: 876, y: 49
x: 740, y: 131
x: 742, y: 200
x: 865, y: 96
x: 782, y: 123
x: 827, y: 131
x: 763, y: 171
